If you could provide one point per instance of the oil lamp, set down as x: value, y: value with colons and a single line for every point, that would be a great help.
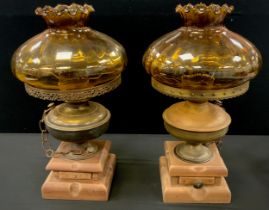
x: 202, y: 61
x: 73, y: 63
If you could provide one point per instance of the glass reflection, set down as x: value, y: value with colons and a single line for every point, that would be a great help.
x: 69, y: 55
x: 202, y: 54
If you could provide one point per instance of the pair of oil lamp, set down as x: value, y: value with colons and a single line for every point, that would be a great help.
x: 201, y: 61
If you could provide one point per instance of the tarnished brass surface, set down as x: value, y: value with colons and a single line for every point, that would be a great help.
x: 202, y: 95
x: 77, y: 122
x: 196, y: 153
x: 73, y: 95
x: 195, y: 137
x: 79, y: 151
x: 197, y: 117
x: 197, y: 124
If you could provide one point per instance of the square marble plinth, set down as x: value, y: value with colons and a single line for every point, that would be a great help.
x: 175, y: 192
x: 86, y: 188
x: 177, y: 167
x: 93, y: 164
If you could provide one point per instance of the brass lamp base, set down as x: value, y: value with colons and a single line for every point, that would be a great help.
x: 88, y: 179
x: 81, y: 168
x: 192, y: 170
x: 194, y: 153
x: 186, y: 182
x: 77, y: 122
x: 197, y: 123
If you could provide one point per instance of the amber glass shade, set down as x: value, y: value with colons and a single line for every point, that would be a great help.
x: 202, y: 56
x: 68, y: 55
